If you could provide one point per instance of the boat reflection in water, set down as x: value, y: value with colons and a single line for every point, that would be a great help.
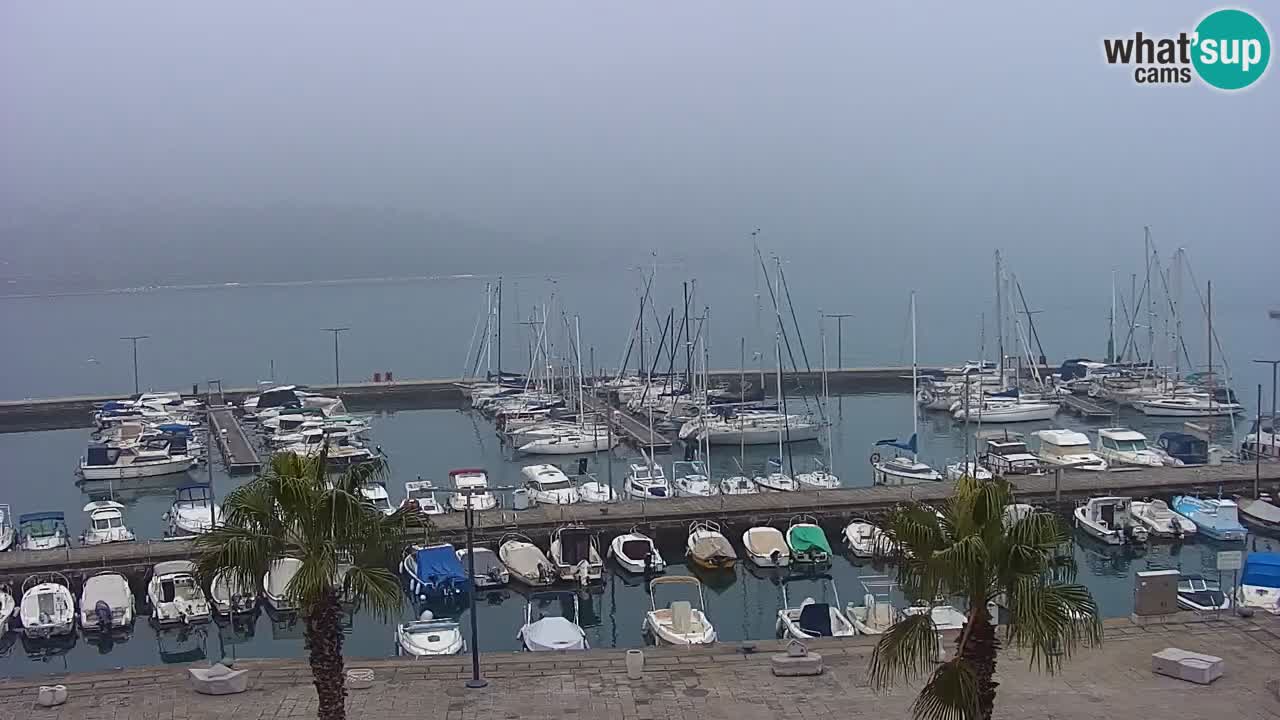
x: 181, y: 644
x: 46, y: 648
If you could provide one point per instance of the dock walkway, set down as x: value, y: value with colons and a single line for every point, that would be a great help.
x: 634, y: 431
x: 238, y: 453
x: 1087, y: 407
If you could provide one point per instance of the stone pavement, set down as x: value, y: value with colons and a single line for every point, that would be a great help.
x: 704, y: 684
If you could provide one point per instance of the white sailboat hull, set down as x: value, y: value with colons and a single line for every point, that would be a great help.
x: 762, y: 436
x: 1022, y: 412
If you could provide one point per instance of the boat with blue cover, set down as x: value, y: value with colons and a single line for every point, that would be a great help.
x: 1260, y: 583
x: 1216, y: 518
x: 434, y: 573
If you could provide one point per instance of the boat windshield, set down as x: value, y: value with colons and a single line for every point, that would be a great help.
x: 107, y: 523
x: 545, y: 485
x: 42, y: 528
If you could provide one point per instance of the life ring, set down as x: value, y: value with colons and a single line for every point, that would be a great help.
x: 875, y: 458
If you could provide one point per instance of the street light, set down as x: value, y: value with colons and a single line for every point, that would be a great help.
x: 134, y: 339
x: 476, y: 682
x: 335, y: 331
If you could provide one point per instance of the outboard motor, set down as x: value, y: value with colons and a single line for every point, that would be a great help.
x: 102, y: 611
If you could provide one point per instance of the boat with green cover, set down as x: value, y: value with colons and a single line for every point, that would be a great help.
x: 807, y: 541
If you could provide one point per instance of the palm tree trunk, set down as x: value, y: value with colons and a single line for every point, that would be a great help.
x: 980, y: 649
x: 324, y: 641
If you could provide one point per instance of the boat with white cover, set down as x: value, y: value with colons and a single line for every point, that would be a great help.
x: 544, y: 630
x: 1122, y: 447
x: 489, y: 572
x: 548, y: 485
x: 865, y: 539
x: 473, y: 483
x: 1068, y: 448
x: 1109, y: 520
x: 636, y: 553
x: 106, y: 603
x: 877, y: 613
x: 525, y: 561
x: 708, y: 547
x: 1160, y: 520
x: 575, y: 554
x: 680, y: 623
x: 175, y: 596
x: 1201, y: 595
x: 194, y: 511
x: 813, y: 618
x: 42, y: 531
x: 423, y: 494
x: 275, y: 584
x: 692, y: 479
x: 766, y: 547
x: 106, y: 524
x: 428, y: 636
x: 229, y: 597
x: 47, y: 608
x: 1260, y: 513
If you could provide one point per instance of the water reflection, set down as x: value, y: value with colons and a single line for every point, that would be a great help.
x: 181, y: 644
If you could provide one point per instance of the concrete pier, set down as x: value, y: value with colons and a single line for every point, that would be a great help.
x: 238, y: 454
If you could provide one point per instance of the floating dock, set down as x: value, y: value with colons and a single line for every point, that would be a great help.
x: 237, y: 452
x: 1087, y: 407
x: 633, y: 430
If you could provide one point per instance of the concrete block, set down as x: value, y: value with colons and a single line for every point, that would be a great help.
x: 1185, y: 665
x: 218, y: 680
x: 797, y: 661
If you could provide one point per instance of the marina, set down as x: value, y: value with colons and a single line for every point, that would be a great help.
x: 238, y: 454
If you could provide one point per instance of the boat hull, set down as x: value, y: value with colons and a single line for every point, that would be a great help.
x: 142, y: 470
x: 763, y: 436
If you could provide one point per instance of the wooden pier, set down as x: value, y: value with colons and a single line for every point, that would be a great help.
x: 633, y: 430
x: 238, y: 453
x: 1087, y: 407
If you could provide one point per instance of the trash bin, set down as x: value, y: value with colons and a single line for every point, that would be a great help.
x: 1215, y: 455
x: 520, y: 499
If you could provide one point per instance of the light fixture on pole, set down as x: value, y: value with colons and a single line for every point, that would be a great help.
x: 335, y: 330
x: 134, y: 339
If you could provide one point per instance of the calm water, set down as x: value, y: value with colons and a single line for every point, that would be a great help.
x: 742, y: 604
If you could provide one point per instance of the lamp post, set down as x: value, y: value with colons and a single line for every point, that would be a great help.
x: 476, y: 682
x: 336, y: 330
x: 839, y: 318
x: 134, y: 339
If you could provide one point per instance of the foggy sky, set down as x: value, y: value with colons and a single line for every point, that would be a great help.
x: 859, y: 129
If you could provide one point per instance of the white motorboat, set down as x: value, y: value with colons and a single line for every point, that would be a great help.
x: 423, y: 494
x: 707, y: 547
x: 47, y: 608
x: 1109, y: 520
x: 766, y: 547
x: 636, y: 553
x: 967, y: 468
x: 42, y: 531
x: 1199, y: 405
x: 548, y: 485
x: 545, y: 631
x: 194, y: 511
x: 106, y: 524
x: 1216, y: 518
x: 1260, y: 513
x: 902, y: 470
x: 1006, y: 454
x: 994, y: 411
x: 275, y: 584
x: 175, y: 596
x: 1015, y: 513
x: 812, y: 618
x: 576, y: 443
x: 864, y: 539
x: 680, y: 623
x: 877, y: 613
x: 473, y: 483
x: 575, y: 554
x: 1263, y: 439
x: 594, y: 491
x: 376, y: 494
x: 489, y: 572
x: 1201, y: 595
x: 1122, y: 447
x: 945, y: 617
x: 107, y: 462
x: 8, y: 535
x: 525, y: 561
x: 1068, y: 448
x: 106, y: 603
x: 692, y: 479
x: 428, y: 636
x: 8, y: 608
x: 229, y: 597
x: 738, y: 485
x: 1260, y: 583
x: 646, y: 481
x: 1160, y: 520
x: 748, y: 428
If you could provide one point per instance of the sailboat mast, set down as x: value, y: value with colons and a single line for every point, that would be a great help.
x: 498, y: 351
x: 1177, y: 313
x: 577, y: 344
x: 1111, y: 322
x: 826, y: 392
x: 915, y: 373
x: 781, y: 405
x: 999, y: 321
x: 1151, y: 308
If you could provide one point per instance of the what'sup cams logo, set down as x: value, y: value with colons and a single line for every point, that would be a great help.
x: 1228, y: 50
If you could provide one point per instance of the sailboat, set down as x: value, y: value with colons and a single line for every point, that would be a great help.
x: 774, y: 479
x: 902, y: 470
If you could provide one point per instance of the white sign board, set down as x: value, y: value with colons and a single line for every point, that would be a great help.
x: 1230, y: 560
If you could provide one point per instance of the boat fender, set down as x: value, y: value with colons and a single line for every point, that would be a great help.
x: 875, y: 458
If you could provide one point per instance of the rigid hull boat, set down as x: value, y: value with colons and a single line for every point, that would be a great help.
x: 428, y: 636
x: 545, y: 631
x: 489, y: 570
x: 175, y: 596
x: 1108, y: 519
x: 1260, y: 583
x: 194, y: 511
x: 646, y: 481
x: 548, y: 485
x: 680, y: 623
x: 1122, y: 447
x: 433, y: 573
x: 1068, y: 449
x: 766, y: 547
x: 811, y: 618
x: 422, y: 493
x: 47, y: 608
x: 42, y: 531
x: 106, y: 524
x: 1201, y: 595
x: 636, y: 553
x: 1187, y: 406
x: 575, y: 554
x: 1260, y: 513
x: 691, y: 479
x: 106, y: 603
x: 525, y: 561
x: 472, y: 485
x: 901, y: 470
x: 865, y: 540
x: 106, y: 462
x: 1160, y: 520
x: 708, y: 547
x: 807, y: 541
x: 1216, y: 518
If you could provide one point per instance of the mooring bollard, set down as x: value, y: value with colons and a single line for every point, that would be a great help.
x: 635, y: 664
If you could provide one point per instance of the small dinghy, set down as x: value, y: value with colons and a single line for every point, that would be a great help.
x: 175, y: 596
x: 877, y: 613
x: 525, y: 561
x: 636, y: 553
x: 429, y: 636
x: 807, y: 541
x: 708, y: 547
x: 106, y: 603
x: 48, y: 608
x: 229, y: 598
x: 434, y: 573
x: 106, y: 524
x: 422, y: 494
x: 766, y: 547
x: 680, y: 623
x: 544, y: 630
x: 575, y: 553
x: 489, y: 572
x: 864, y: 540
x: 1197, y: 593
x: 812, y: 618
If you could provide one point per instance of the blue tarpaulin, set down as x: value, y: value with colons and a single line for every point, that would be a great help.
x: 437, y: 571
x: 1262, y: 569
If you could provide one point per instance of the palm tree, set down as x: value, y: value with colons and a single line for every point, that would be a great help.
x: 969, y: 550
x: 346, y: 546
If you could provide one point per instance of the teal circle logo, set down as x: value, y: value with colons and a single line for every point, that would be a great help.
x: 1231, y: 49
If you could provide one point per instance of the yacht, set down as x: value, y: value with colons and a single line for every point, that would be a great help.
x: 646, y: 481
x: 1122, y: 447
x: 548, y: 485
x: 1006, y: 454
x: 775, y: 480
x: 1179, y: 449
x: 472, y: 482
x: 901, y: 470
x: 575, y: 443
x: 376, y: 494
x: 106, y: 524
x: 594, y: 491
x: 42, y: 531
x: 738, y: 485
x: 750, y: 428
x: 691, y: 479
x: 423, y: 494
x: 820, y: 478
x: 107, y: 462
x: 1109, y: 520
x: 8, y: 535
x: 1263, y: 438
x: 1068, y: 448
x: 997, y: 411
x: 1160, y: 520
x: 1215, y: 518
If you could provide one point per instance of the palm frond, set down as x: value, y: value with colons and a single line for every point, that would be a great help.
x: 950, y: 694
x: 375, y: 589
x: 1052, y: 620
x: 905, y: 651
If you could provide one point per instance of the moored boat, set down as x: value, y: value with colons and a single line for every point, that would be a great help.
x: 707, y: 547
